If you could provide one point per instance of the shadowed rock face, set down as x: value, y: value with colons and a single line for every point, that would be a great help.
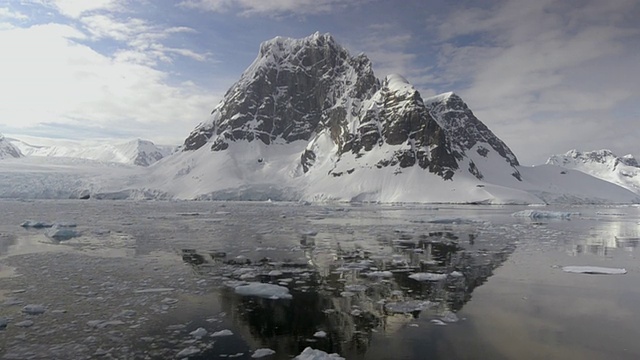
x: 302, y: 89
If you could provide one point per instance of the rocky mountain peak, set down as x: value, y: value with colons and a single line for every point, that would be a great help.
x: 603, y: 157
x: 292, y: 89
x: 467, y: 133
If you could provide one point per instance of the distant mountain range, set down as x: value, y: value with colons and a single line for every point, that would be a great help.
x: 603, y: 164
x: 134, y: 152
x: 7, y: 149
x: 309, y: 122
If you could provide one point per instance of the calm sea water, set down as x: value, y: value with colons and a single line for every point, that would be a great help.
x: 142, y: 276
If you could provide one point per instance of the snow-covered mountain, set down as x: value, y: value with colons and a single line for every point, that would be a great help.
x: 7, y: 149
x: 135, y: 152
x: 603, y: 164
x: 308, y: 121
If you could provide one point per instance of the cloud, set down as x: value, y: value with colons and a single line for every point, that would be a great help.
x: 535, y: 67
x: 77, y: 8
x: 51, y: 76
x: 6, y: 13
x: 272, y: 7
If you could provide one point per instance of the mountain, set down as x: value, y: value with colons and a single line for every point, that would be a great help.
x: 135, y: 152
x: 603, y: 164
x: 308, y: 121
x: 7, y: 149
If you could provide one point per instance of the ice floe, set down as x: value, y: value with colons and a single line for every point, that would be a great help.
x: 541, y: 214
x: 425, y: 276
x: 224, y: 332
x: 313, y: 354
x: 594, y: 270
x: 268, y: 291
x: 259, y: 353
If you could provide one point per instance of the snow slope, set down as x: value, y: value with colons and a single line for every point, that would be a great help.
x: 7, y: 149
x: 604, y: 165
x: 135, y: 152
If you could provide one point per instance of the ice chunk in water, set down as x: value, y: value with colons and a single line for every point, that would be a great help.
x: 313, y: 354
x: 404, y: 307
x: 225, y: 332
x: 262, y: 353
x: 594, y: 270
x: 268, y: 291
x: 541, y: 214
x: 428, y: 276
x: 60, y: 232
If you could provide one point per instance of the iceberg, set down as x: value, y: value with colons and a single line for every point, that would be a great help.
x: 594, y: 270
x: 268, y: 291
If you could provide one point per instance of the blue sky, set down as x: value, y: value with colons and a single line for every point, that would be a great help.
x: 546, y: 76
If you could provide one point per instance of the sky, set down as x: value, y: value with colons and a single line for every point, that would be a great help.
x: 545, y: 76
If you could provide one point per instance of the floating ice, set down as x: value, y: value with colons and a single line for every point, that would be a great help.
x: 25, y: 323
x: 224, y: 332
x: 450, y: 317
x: 313, y: 354
x: 320, y: 334
x: 33, y: 309
x: 379, y: 274
x: 191, y: 350
x: 36, y: 224
x: 594, y: 270
x: 60, y: 232
x: 198, y: 333
x: 268, y: 291
x: 428, y: 276
x: 153, y: 290
x: 262, y: 353
x: 403, y: 307
x: 438, y: 322
x: 540, y: 214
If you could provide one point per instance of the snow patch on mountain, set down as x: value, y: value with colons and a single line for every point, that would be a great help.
x: 603, y: 164
x: 7, y: 149
x: 135, y: 152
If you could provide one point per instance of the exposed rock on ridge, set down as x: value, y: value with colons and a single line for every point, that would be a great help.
x: 7, y: 149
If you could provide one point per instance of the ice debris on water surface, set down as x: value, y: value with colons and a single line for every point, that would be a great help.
x: 540, y: 214
x: 596, y: 270
x: 224, y: 332
x: 405, y: 307
x: 268, y: 291
x: 320, y: 334
x: 259, y: 353
x: 33, y: 309
x: 60, y: 232
x: 313, y: 354
x: 191, y: 350
x: 425, y: 276
x: 36, y: 224
x: 198, y: 333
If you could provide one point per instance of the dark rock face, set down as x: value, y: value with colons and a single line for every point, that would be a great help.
x: 292, y: 88
x: 465, y: 130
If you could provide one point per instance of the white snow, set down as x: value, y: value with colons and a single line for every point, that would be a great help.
x: 594, y: 270
x: 313, y: 354
x: 263, y: 290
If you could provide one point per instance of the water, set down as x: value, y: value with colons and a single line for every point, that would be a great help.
x: 143, y: 275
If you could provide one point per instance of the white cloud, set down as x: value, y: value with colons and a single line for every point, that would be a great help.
x: 49, y: 77
x: 76, y: 8
x: 271, y: 7
x: 6, y: 13
x: 535, y: 67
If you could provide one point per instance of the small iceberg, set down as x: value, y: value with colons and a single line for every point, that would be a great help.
x: 268, y: 291
x: 425, y: 276
x: 594, y: 270
x: 313, y: 354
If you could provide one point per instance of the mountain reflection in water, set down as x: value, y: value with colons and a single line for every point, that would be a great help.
x: 351, y: 293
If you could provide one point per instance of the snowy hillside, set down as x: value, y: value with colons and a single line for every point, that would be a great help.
x: 134, y: 152
x: 7, y: 149
x: 604, y: 165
